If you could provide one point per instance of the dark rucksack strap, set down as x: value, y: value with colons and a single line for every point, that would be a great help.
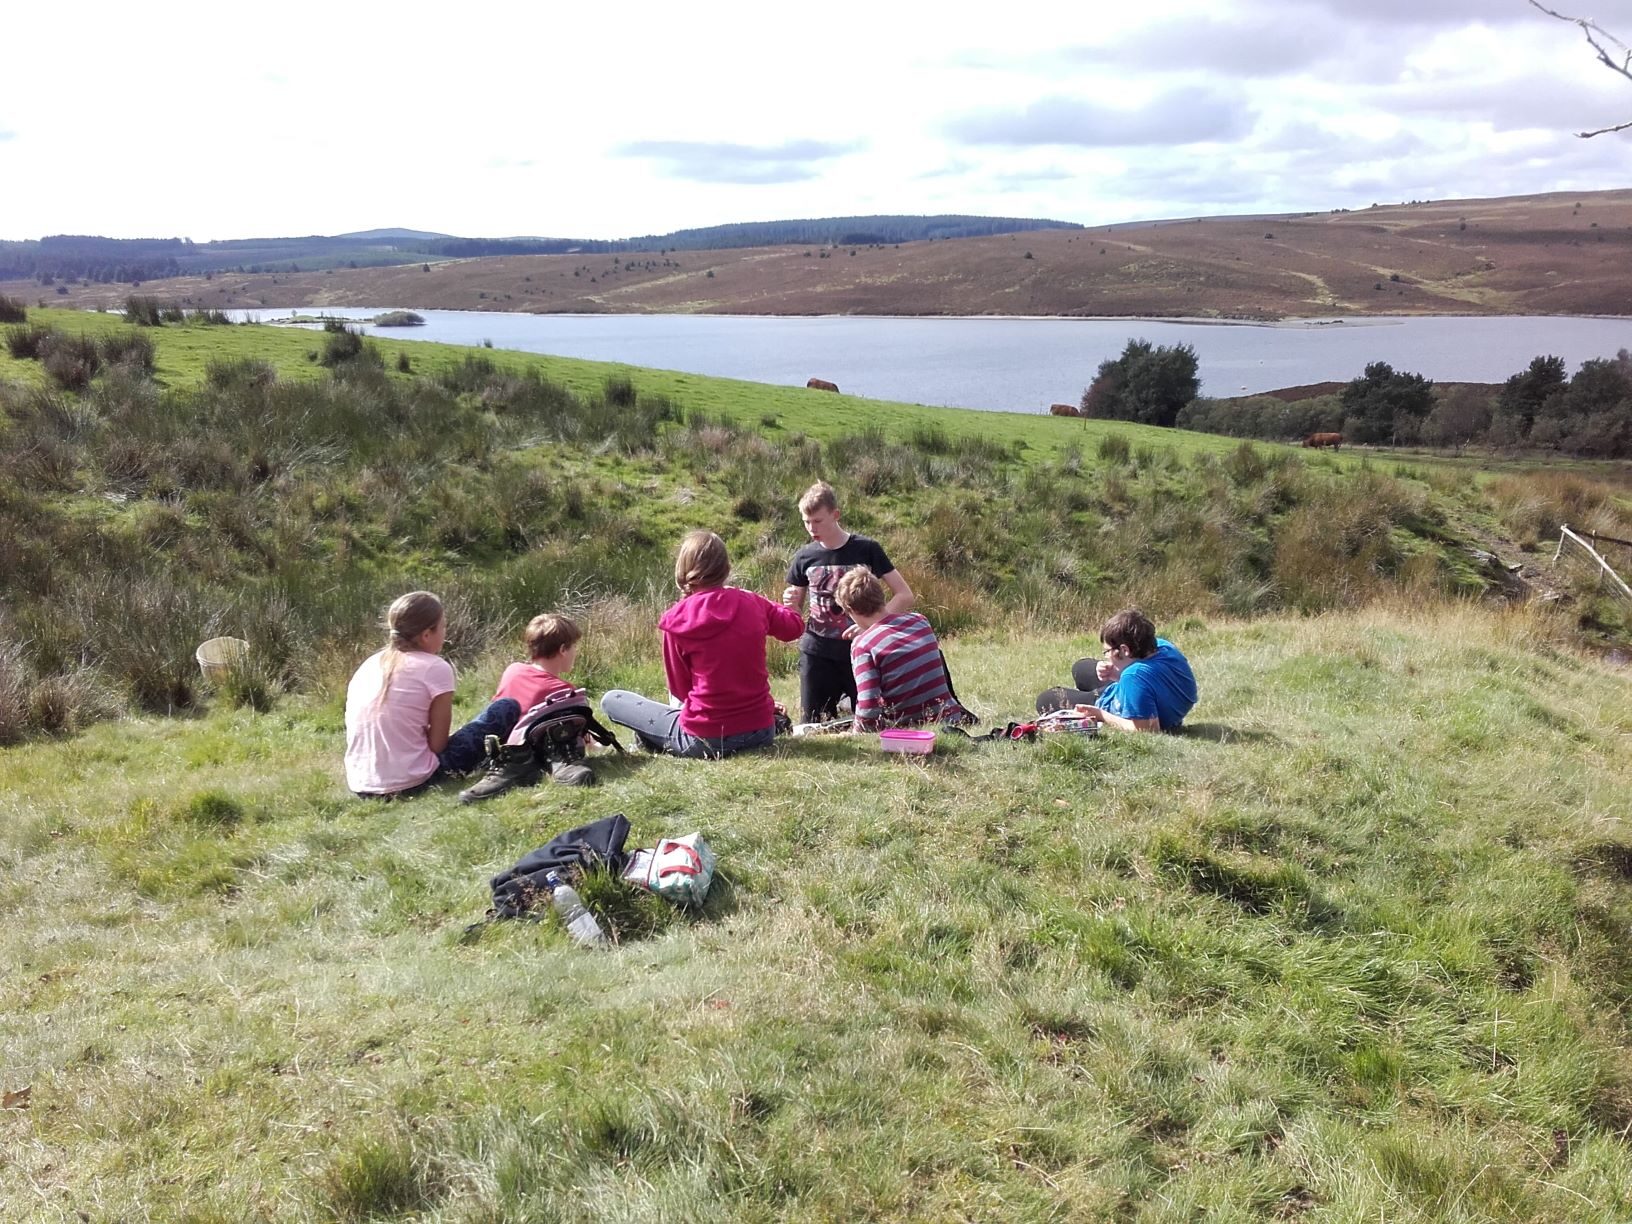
x: 601, y: 735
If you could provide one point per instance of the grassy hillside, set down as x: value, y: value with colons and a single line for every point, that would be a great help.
x: 1549, y: 254
x: 1352, y: 946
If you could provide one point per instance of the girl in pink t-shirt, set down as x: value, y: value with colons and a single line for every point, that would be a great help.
x: 399, y: 708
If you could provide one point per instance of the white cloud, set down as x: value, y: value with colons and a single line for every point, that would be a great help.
x: 216, y: 121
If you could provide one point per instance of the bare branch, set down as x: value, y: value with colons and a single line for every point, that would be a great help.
x: 1596, y: 37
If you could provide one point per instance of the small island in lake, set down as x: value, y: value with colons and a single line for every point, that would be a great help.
x: 399, y: 318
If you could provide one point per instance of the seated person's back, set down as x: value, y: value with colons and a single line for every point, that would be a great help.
x: 901, y: 675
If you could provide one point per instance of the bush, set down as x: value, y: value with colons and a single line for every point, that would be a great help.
x: 343, y: 344
x: 1147, y: 383
x: 71, y: 361
x: 1114, y: 448
x: 229, y: 373
x: 12, y: 310
x: 144, y: 311
x: 1383, y: 405
x: 130, y: 349
x: 25, y: 343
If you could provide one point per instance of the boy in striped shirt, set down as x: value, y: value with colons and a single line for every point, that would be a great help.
x: 901, y: 676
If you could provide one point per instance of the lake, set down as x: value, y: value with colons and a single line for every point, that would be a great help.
x: 1012, y: 364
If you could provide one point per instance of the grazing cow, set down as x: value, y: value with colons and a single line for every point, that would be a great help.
x: 1333, y: 440
x: 1063, y: 410
x: 821, y: 384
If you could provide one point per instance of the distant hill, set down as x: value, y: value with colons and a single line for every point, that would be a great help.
x: 404, y: 235
x: 1564, y: 253
x: 131, y: 260
x: 842, y: 231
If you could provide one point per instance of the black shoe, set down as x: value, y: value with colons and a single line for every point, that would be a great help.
x: 507, y: 766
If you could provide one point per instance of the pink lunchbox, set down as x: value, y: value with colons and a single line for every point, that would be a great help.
x: 919, y: 743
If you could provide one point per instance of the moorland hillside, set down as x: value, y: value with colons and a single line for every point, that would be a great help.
x: 1548, y: 254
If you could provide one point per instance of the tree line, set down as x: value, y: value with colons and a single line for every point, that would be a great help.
x: 1540, y: 407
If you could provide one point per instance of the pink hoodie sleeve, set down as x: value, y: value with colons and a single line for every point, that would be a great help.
x: 676, y: 668
x: 782, y: 622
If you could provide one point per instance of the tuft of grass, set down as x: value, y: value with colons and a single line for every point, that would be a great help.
x: 373, y: 1176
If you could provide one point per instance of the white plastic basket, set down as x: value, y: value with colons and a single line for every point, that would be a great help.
x: 218, y: 655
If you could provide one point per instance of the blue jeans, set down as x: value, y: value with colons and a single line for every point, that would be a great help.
x: 657, y: 727
x: 467, y: 746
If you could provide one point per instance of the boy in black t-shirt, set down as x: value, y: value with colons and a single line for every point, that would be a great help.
x: 824, y: 650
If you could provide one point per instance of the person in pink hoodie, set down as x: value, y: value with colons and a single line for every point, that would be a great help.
x: 714, y: 655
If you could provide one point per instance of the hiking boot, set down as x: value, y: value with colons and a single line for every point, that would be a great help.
x: 507, y: 766
x: 575, y: 774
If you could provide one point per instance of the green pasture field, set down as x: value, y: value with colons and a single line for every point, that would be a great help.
x: 1352, y: 947
x: 184, y: 350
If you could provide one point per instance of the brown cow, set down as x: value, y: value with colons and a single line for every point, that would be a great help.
x: 821, y: 384
x: 1063, y: 410
x: 1333, y: 440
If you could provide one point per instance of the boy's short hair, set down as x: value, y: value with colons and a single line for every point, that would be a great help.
x: 702, y: 562
x: 860, y: 591
x: 820, y: 496
x: 1131, y: 628
x: 550, y: 633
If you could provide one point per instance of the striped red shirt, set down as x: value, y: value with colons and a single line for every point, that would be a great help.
x: 900, y: 675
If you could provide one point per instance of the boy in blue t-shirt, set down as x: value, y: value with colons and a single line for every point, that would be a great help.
x: 1144, y: 682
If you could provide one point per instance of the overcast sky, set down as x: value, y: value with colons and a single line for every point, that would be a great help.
x: 613, y: 120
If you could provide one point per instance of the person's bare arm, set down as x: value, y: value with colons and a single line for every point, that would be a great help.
x: 794, y: 597
x: 440, y: 722
x: 901, y: 596
x: 1116, y: 722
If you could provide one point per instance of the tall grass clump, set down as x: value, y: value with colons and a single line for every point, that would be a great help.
x: 243, y: 373
x: 1114, y: 448
x: 71, y: 361
x: 342, y: 344
x: 1533, y: 505
x: 145, y: 311
x: 130, y: 349
x: 12, y: 310
x: 27, y: 342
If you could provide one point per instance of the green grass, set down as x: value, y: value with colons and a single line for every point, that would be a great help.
x: 1353, y: 947
x: 185, y: 350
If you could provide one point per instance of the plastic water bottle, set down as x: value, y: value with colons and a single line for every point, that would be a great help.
x: 575, y: 916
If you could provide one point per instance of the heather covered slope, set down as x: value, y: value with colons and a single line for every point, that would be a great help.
x: 1551, y: 254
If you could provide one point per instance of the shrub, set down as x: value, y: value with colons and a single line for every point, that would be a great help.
x: 25, y: 343
x: 228, y: 373
x: 71, y: 361
x: 343, y: 344
x: 1114, y: 448
x: 1147, y: 383
x: 12, y: 310
x: 619, y: 390
x: 404, y: 365
x: 144, y: 311
x: 130, y: 349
